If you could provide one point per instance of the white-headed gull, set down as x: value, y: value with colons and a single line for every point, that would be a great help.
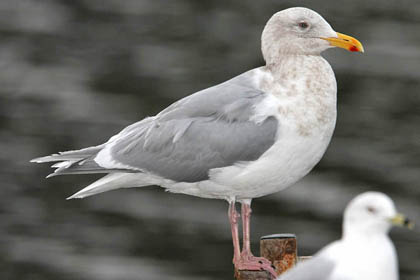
x: 250, y: 136
x: 365, y: 251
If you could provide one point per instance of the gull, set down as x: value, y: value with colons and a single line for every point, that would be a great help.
x: 253, y: 135
x: 365, y: 252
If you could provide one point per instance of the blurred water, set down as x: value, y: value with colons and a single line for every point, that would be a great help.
x: 73, y: 73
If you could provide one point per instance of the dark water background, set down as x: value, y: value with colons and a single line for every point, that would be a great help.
x: 73, y: 73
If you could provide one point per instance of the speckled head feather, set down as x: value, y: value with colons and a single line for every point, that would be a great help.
x: 295, y: 31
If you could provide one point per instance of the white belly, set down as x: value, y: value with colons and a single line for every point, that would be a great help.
x: 286, y: 162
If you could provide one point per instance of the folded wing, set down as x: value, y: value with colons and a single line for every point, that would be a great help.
x: 209, y: 129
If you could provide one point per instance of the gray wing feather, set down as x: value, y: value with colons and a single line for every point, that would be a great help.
x: 70, y: 155
x: 233, y: 98
x: 206, y: 130
x: 207, y: 144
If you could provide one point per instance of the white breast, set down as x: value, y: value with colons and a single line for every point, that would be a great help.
x: 303, y: 98
x: 364, y: 259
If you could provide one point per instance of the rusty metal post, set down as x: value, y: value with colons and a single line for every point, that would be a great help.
x: 280, y: 249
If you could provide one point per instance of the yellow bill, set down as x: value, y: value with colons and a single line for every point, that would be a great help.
x: 346, y: 42
x: 402, y: 221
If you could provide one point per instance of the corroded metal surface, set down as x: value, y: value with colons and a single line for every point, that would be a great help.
x: 281, y: 250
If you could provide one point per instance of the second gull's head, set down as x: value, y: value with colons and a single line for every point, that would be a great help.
x: 371, y: 213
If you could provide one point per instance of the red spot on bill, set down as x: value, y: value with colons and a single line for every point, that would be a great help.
x: 354, y: 49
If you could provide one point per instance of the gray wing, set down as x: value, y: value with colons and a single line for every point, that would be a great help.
x: 233, y: 99
x: 208, y: 129
x: 317, y: 268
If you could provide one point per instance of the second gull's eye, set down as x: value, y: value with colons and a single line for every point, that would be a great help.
x: 371, y: 209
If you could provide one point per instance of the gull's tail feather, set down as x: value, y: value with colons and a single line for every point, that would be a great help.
x: 75, y: 155
x: 115, y: 181
x: 79, y: 167
x: 82, y: 162
x: 76, y: 162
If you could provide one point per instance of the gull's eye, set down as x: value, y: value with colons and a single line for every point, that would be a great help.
x: 303, y: 25
x: 371, y: 209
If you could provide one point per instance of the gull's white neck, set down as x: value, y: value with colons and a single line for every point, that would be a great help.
x: 304, y: 90
x: 358, y: 231
x: 300, y: 65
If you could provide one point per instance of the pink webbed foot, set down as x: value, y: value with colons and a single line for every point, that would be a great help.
x: 251, y: 258
x: 250, y: 262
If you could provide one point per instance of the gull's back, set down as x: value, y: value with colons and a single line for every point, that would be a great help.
x: 209, y: 129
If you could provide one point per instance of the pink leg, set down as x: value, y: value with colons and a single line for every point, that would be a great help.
x: 248, y: 261
x: 246, y: 216
x: 233, y: 219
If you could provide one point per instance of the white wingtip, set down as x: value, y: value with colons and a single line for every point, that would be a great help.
x: 111, y: 181
x: 49, y: 158
x: 50, y: 175
x: 62, y: 164
x: 74, y: 196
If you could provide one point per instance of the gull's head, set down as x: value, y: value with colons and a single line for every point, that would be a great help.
x: 372, y: 213
x: 298, y: 31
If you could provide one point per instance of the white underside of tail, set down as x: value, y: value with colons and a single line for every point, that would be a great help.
x: 116, y: 181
